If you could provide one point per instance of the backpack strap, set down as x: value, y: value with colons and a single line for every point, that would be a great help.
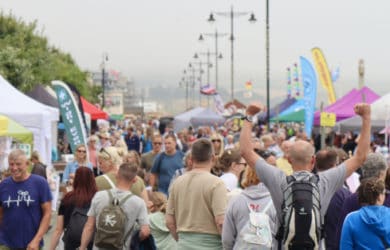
x: 131, y: 229
x: 110, y: 195
x: 109, y: 181
x: 125, y: 199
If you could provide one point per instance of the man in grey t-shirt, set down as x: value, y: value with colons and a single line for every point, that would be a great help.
x: 134, y: 207
x: 301, y: 157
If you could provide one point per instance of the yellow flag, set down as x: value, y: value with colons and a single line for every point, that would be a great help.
x: 323, y: 73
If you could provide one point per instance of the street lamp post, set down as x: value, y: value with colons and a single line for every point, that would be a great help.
x: 185, y: 81
x: 208, y: 65
x: 217, y: 56
x: 105, y: 59
x: 232, y: 15
x: 200, y: 70
x: 267, y: 59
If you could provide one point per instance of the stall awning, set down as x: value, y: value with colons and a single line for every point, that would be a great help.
x: 91, y: 109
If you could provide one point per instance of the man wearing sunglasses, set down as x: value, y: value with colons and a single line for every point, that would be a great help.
x: 165, y: 165
x: 148, y: 158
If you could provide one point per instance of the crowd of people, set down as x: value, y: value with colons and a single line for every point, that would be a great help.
x: 206, y: 189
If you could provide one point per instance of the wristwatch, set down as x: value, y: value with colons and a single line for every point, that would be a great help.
x: 249, y: 118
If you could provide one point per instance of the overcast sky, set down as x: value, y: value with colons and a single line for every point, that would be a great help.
x: 153, y: 41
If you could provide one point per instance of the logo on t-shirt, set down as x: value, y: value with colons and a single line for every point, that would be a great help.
x: 23, y: 196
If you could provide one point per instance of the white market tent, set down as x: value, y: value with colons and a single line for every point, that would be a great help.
x: 197, y: 117
x: 38, y: 118
x: 182, y: 120
x: 207, y: 118
x: 380, y: 112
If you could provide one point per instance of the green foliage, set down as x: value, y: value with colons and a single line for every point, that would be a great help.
x: 95, y: 92
x: 26, y: 58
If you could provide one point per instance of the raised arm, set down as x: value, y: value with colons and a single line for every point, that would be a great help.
x: 363, y: 147
x: 246, y: 146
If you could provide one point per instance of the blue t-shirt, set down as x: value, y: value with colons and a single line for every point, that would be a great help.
x: 71, y: 168
x: 147, y: 147
x: 165, y: 166
x: 22, y: 213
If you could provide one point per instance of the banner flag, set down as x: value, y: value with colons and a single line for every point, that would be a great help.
x: 309, y: 80
x: 70, y: 114
x: 297, y: 83
x: 219, y: 105
x: 288, y: 82
x: 323, y: 73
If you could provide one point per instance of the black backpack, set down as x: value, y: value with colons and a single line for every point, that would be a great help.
x: 74, y: 229
x: 302, y: 224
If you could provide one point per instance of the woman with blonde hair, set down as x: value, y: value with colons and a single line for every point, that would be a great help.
x: 257, y: 197
x: 80, y: 160
x: 159, y: 230
x: 92, y: 153
x: 109, y: 161
x: 218, y: 145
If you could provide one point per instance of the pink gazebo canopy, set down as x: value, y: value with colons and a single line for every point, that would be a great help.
x: 343, y: 107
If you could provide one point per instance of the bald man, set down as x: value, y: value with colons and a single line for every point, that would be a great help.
x: 302, y: 159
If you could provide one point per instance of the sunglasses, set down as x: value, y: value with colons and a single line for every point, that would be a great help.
x: 243, y: 163
x: 103, y: 151
x: 157, y: 143
x: 266, y: 154
x: 215, y: 140
x: 81, y: 151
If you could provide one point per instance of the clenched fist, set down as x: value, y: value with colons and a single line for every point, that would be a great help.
x: 363, y: 110
x: 254, y: 108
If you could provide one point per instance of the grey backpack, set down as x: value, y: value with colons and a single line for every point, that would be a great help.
x: 302, y: 224
x: 111, y: 224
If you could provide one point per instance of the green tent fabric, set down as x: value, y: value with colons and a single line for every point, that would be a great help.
x: 13, y: 129
x: 298, y: 116
x: 116, y: 117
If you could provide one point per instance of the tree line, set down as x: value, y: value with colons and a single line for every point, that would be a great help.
x: 27, y: 59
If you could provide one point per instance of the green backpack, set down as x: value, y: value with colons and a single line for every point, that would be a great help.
x: 111, y: 224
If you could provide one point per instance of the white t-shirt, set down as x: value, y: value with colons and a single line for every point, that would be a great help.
x: 230, y: 180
